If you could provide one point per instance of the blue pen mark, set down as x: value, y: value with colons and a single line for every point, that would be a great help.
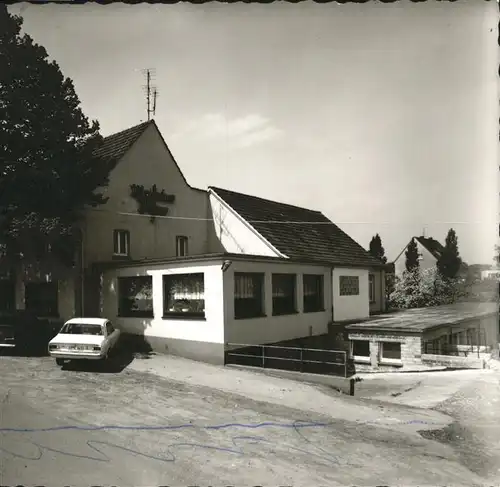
x: 236, y: 447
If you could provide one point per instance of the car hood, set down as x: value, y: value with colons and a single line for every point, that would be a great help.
x: 63, y: 338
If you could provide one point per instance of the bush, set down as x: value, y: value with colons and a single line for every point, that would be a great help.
x: 423, y: 288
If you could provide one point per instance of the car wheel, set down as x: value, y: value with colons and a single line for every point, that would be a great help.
x: 60, y: 361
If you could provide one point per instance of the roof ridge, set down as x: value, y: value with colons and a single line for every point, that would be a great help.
x: 133, y: 127
x: 215, y: 188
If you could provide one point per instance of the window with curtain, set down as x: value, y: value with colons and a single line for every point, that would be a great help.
x: 248, y: 295
x: 184, y: 295
x: 313, y: 293
x: 135, y: 296
x: 284, y: 294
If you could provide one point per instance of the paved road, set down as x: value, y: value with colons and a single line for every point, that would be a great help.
x: 96, y: 426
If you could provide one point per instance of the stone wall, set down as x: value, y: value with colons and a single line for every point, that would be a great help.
x: 411, y: 349
x: 453, y: 361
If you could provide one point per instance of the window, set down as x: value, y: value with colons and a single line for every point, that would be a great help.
x: 390, y: 350
x: 248, y: 295
x: 82, y: 329
x: 181, y: 246
x: 313, y: 293
x: 184, y: 296
x: 283, y: 294
x: 349, y: 285
x: 7, y: 295
x: 135, y: 296
x: 360, y: 348
x: 371, y: 287
x: 41, y: 298
x: 121, y: 242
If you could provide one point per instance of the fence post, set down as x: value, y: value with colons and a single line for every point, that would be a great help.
x: 301, y: 360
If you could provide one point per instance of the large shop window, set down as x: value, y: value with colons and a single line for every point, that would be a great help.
x: 313, y: 293
x: 248, y: 295
x: 284, y: 294
x: 41, y: 298
x: 184, y: 296
x: 135, y: 296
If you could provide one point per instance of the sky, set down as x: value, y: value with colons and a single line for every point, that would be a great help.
x: 382, y: 116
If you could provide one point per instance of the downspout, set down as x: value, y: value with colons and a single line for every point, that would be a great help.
x: 82, y: 274
x: 383, y: 304
x: 333, y: 293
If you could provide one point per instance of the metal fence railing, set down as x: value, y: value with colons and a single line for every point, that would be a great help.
x: 306, y: 360
x: 467, y: 343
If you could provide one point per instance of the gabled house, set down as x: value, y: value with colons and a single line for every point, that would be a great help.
x: 429, y: 252
x: 144, y: 178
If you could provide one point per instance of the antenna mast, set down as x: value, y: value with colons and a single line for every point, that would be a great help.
x: 151, y: 94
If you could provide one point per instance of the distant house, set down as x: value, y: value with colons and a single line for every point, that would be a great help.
x: 429, y: 251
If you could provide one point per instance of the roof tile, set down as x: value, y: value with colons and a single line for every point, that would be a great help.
x: 114, y: 147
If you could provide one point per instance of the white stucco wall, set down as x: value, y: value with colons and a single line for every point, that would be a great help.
x: 235, y: 235
x: 148, y: 162
x: 350, y: 307
x: 271, y: 328
x: 210, y: 330
x: 427, y: 259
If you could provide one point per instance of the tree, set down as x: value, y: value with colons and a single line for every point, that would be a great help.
x: 376, y: 249
x: 48, y: 172
x: 411, y: 255
x: 449, y: 262
x: 422, y: 288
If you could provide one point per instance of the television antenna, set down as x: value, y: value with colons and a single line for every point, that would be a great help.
x: 151, y: 93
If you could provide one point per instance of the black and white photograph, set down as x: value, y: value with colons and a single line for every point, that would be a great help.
x: 249, y: 243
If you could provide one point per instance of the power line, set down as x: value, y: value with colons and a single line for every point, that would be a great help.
x: 288, y: 222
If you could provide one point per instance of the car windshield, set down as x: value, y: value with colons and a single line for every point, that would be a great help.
x: 82, y: 329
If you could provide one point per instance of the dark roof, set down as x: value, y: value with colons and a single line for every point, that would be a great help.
x: 421, y: 319
x: 289, y: 229
x: 432, y: 245
x: 114, y: 147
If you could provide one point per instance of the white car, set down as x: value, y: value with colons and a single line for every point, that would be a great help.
x: 84, y: 338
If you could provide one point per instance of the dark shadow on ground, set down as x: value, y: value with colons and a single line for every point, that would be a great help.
x: 127, y: 350
x: 38, y: 351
